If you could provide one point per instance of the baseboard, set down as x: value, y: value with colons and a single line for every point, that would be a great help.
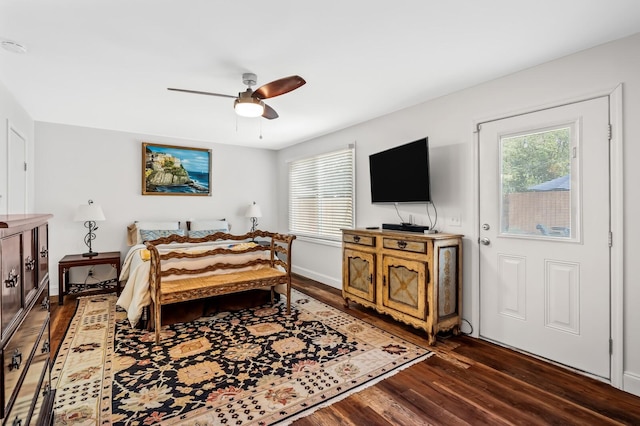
x: 324, y: 279
x: 631, y: 383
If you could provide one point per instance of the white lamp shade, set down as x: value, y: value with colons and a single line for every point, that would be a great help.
x: 249, y: 107
x: 89, y: 213
x: 253, y: 211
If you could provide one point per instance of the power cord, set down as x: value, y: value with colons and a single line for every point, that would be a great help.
x: 432, y: 223
x: 398, y: 213
x: 470, y: 326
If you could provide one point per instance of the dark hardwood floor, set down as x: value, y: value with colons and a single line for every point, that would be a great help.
x: 466, y: 382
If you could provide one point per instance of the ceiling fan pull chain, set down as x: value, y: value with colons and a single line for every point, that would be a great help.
x: 260, y: 129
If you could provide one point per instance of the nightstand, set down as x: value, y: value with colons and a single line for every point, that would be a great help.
x: 74, y: 260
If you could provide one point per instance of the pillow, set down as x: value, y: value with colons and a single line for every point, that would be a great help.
x: 204, y: 232
x: 132, y: 235
x: 157, y: 225
x: 203, y: 225
x: 154, y: 234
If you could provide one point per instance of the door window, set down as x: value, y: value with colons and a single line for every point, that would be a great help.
x: 538, y: 184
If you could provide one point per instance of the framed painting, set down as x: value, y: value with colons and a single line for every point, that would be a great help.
x: 175, y: 170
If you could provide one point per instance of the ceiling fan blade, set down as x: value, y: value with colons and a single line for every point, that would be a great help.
x: 279, y: 87
x: 269, y: 113
x: 197, y: 92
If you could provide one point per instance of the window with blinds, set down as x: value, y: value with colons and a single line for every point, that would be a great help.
x: 322, y: 194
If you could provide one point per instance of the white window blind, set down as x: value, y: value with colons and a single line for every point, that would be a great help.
x: 321, y: 194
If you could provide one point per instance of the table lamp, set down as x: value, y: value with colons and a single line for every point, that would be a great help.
x: 254, y: 213
x: 89, y: 214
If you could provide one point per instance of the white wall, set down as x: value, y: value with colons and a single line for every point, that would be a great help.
x: 12, y: 113
x: 448, y: 122
x: 75, y: 164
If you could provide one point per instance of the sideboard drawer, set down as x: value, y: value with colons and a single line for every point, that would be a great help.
x: 405, y: 245
x: 363, y: 240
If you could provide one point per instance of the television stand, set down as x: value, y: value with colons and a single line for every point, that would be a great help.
x: 414, y: 278
x: 405, y: 227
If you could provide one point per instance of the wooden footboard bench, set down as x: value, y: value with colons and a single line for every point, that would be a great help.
x: 217, y: 264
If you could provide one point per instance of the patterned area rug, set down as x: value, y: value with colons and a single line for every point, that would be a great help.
x: 255, y: 366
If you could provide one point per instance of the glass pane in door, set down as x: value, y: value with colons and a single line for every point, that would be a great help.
x: 536, y: 182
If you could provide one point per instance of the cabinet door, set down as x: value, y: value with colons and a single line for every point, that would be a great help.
x: 37, y: 372
x: 447, y: 280
x: 38, y: 415
x: 359, y: 274
x: 30, y: 254
x: 18, y: 349
x: 11, y: 280
x: 42, y: 251
x: 404, y: 286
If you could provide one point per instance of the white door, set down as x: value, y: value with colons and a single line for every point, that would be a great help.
x: 17, y: 173
x: 544, y: 237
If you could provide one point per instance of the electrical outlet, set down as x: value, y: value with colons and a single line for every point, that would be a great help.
x: 454, y: 220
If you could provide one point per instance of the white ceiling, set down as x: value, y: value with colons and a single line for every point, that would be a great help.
x: 107, y: 64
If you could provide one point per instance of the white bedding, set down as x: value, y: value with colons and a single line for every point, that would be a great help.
x: 135, y: 271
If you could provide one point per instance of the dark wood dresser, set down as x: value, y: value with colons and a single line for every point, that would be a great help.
x: 25, y: 388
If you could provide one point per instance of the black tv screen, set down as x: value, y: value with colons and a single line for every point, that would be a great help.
x: 401, y: 174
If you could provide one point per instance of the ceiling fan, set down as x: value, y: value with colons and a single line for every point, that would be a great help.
x: 249, y: 103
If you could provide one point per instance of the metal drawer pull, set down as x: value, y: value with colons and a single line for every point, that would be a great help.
x: 12, y: 280
x: 16, y: 360
x: 44, y: 252
x: 356, y: 238
x: 29, y: 264
x: 45, y: 304
x: 402, y: 244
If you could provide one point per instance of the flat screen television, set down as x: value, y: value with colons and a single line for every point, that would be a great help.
x: 401, y: 174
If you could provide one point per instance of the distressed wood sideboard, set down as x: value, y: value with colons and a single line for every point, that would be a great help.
x: 415, y: 278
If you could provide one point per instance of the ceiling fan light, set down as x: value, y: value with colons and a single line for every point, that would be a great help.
x: 249, y: 107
